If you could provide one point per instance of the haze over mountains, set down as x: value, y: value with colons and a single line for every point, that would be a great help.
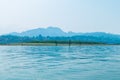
x: 50, y: 31
x: 56, y: 34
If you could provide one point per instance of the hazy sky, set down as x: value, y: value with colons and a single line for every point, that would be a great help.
x: 69, y: 15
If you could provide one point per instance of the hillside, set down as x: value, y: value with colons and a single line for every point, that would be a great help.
x: 50, y: 31
x: 56, y: 34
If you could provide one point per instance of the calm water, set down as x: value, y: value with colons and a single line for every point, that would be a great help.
x: 60, y: 63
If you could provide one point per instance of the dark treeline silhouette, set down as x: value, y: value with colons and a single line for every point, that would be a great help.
x: 8, y: 39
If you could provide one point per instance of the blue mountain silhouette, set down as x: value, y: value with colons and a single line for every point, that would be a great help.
x: 50, y: 31
x: 59, y: 34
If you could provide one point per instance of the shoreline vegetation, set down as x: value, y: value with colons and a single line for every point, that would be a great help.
x: 54, y: 43
x: 103, y: 39
x: 56, y: 37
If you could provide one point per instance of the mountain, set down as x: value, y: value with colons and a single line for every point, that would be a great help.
x: 56, y: 34
x: 50, y: 31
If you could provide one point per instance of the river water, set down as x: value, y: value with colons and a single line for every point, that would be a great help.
x: 85, y: 62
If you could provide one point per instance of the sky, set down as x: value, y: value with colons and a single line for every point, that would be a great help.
x: 69, y: 15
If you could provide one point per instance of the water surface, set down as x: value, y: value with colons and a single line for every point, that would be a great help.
x: 60, y: 62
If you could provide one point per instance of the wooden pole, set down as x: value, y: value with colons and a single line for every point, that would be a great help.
x: 69, y: 42
x: 56, y: 43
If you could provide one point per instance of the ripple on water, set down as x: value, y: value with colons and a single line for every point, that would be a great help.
x: 60, y: 62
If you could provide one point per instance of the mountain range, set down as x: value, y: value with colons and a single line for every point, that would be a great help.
x: 50, y: 31
x: 56, y: 34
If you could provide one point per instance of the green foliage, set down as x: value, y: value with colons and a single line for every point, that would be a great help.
x: 9, y: 39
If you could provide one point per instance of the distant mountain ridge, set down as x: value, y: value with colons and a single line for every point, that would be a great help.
x: 50, y: 31
x: 56, y: 34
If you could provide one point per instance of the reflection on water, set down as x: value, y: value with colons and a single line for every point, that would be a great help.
x: 60, y: 63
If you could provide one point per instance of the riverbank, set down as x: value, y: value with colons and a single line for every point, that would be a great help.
x: 51, y: 44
